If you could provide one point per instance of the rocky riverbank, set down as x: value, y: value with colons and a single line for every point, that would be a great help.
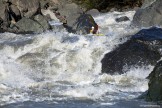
x: 22, y: 16
x: 32, y: 16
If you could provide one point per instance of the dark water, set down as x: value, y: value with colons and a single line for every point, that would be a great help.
x: 84, y: 104
x: 151, y: 34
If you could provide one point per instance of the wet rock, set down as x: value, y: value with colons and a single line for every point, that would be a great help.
x: 84, y: 24
x: 71, y: 12
x: 142, y: 49
x: 42, y: 21
x: 124, y: 18
x: 155, y: 84
x: 29, y: 26
x: 149, y: 16
x: 93, y: 12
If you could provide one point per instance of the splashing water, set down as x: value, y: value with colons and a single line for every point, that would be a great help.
x: 60, y: 65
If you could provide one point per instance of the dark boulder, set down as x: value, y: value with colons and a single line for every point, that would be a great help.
x: 155, y: 84
x: 142, y: 49
x: 120, y: 19
x: 149, y: 16
x: 84, y: 24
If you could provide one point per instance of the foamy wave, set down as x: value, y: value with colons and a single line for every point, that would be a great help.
x: 40, y: 66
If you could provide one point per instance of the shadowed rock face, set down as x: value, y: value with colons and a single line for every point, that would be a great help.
x: 142, y: 49
x: 107, y: 5
x: 155, y: 84
x: 149, y: 16
x: 27, y: 8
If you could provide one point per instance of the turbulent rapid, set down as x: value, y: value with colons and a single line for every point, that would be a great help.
x: 58, y: 66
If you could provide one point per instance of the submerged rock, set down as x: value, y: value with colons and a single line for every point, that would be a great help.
x: 142, y: 49
x: 149, y: 16
x: 155, y: 84
x: 124, y: 18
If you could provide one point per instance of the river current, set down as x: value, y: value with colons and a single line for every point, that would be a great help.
x: 57, y: 69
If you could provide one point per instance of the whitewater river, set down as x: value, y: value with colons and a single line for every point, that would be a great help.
x: 63, y: 70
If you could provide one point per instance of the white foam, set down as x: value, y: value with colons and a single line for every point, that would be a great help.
x: 68, y: 58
